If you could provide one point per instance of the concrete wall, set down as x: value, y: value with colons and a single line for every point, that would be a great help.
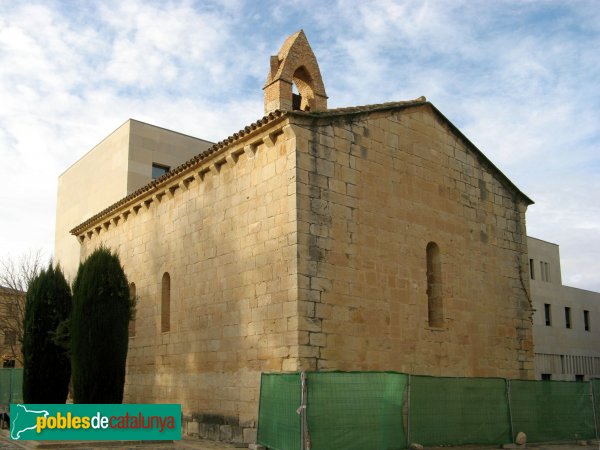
x: 562, y: 352
x: 372, y: 193
x: 150, y: 144
x: 89, y: 185
x: 117, y: 166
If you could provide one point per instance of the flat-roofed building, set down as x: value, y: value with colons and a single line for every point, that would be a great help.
x: 129, y: 158
x: 566, y: 322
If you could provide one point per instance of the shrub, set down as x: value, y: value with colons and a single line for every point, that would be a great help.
x: 99, y: 329
x: 46, y: 364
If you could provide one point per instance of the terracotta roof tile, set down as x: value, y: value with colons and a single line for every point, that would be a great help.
x: 329, y: 113
x: 177, y: 170
x: 362, y: 109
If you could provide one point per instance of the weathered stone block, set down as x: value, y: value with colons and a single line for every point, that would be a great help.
x: 193, y: 428
x: 249, y: 435
x: 225, y: 433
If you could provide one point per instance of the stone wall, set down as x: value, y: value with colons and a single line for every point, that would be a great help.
x: 226, y: 234
x: 12, y: 306
x: 373, y: 191
x: 303, y: 246
x: 116, y: 167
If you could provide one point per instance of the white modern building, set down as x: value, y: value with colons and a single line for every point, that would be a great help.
x: 566, y: 322
x: 129, y: 158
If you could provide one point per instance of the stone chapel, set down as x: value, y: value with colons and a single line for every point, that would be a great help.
x: 373, y: 237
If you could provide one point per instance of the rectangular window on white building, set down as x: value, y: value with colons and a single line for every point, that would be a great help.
x: 158, y: 170
x: 531, y: 269
x: 547, y: 314
x: 544, y: 271
x: 586, y: 320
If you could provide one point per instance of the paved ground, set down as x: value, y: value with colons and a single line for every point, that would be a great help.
x: 201, y: 444
x: 570, y: 446
x: 185, y: 444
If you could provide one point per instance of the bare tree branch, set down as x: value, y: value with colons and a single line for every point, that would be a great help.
x: 15, y: 277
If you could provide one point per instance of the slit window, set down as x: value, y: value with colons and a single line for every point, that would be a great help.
x: 531, y: 269
x: 434, y: 286
x: 544, y: 270
x: 548, y: 314
x: 132, y: 302
x: 586, y: 320
x: 567, y: 317
x: 165, y: 304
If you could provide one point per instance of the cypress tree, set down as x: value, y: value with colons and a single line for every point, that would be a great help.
x: 99, y: 329
x: 46, y: 365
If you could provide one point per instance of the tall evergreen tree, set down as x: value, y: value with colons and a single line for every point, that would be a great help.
x: 46, y: 364
x: 99, y: 329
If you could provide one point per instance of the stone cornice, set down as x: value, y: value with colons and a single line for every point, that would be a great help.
x: 258, y: 132
x: 180, y: 177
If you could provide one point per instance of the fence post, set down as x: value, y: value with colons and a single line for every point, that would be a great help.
x: 10, y: 386
x: 593, y: 391
x: 305, y: 444
x: 408, y: 413
x: 510, y: 417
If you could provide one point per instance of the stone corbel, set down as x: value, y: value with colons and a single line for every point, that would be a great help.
x: 170, y: 192
x: 288, y: 132
x: 269, y: 140
x: 185, y: 184
x: 250, y: 150
x: 232, y: 159
x: 202, y: 173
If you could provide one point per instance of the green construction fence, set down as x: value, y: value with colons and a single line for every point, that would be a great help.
x: 459, y: 411
x: 390, y: 410
x: 11, y: 386
x: 553, y: 410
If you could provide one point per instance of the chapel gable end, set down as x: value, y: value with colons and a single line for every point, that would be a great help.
x: 295, y: 64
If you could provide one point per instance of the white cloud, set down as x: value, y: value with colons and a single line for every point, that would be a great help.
x: 519, y: 78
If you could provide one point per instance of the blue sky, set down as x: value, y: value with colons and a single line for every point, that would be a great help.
x: 519, y: 78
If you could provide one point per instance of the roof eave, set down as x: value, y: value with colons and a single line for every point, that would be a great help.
x: 259, y: 126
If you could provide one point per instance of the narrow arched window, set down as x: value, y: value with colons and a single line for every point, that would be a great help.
x: 165, y: 304
x: 434, y: 286
x: 132, y: 302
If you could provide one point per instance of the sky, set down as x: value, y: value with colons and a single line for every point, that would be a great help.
x: 521, y: 79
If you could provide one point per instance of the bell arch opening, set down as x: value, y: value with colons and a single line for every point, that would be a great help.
x: 304, y: 99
